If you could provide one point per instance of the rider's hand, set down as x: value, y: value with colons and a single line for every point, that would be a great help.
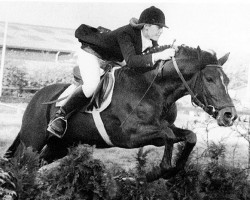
x: 164, y: 55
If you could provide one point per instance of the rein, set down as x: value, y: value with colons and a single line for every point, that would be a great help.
x: 194, y: 96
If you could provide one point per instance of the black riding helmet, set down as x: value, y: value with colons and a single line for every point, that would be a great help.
x: 152, y: 15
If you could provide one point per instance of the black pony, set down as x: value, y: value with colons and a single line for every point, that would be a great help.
x: 132, y: 121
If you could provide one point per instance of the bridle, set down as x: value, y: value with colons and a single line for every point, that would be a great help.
x: 211, y: 110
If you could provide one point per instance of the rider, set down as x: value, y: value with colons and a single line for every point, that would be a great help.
x: 126, y: 43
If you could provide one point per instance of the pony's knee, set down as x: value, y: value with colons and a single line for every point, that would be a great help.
x: 167, y: 133
x: 169, y: 136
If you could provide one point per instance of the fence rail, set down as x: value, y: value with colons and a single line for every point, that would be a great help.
x: 18, y: 110
x: 24, y: 88
x: 10, y: 106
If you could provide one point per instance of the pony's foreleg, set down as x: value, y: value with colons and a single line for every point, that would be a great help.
x: 165, y: 165
x: 190, y: 139
x: 159, y: 136
x: 144, y: 135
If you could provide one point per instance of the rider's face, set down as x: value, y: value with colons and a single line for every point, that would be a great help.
x: 154, y: 32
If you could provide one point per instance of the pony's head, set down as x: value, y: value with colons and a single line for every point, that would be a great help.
x: 207, y: 82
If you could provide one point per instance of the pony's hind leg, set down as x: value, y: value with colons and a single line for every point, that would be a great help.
x: 10, y: 152
x: 53, y: 150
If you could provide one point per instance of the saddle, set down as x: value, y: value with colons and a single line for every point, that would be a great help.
x: 103, y: 89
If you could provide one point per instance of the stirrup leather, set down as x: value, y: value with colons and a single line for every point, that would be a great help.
x: 53, y: 131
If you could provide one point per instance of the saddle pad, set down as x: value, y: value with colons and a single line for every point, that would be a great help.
x: 104, y: 104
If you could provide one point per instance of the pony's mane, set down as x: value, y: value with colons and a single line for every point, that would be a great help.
x: 187, y: 51
x: 190, y: 52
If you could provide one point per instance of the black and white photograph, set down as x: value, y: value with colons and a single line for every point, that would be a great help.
x: 125, y: 100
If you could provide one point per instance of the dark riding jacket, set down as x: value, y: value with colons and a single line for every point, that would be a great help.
x: 124, y: 43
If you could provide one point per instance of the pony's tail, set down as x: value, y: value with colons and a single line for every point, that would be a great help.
x: 12, y: 149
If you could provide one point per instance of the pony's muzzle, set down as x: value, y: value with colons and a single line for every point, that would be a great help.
x: 227, y: 116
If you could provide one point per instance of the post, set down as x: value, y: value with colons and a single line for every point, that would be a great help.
x: 3, y: 57
x: 57, y: 57
x: 248, y: 89
x: 248, y: 137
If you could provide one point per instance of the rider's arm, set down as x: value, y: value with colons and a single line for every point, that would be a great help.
x: 164, y: 55
x: 128, y: 51
x: 132, y: 59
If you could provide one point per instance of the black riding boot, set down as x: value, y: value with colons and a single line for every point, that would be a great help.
x: 75, y: 101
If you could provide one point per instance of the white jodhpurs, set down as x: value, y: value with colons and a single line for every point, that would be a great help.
x: 90, y: 70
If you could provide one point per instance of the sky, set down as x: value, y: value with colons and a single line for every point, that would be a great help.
x: 218, y: 25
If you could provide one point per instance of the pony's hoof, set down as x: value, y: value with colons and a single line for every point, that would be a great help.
x: 170, y: 173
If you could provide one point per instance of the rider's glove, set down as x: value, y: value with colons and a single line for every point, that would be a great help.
x: 164, y: 55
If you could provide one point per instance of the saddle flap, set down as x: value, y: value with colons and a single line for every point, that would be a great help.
x: 102, y: 92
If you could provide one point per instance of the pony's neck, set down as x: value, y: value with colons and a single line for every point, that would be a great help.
x: 171, y: 89
x: 174, y: 93
x: 174, y: 88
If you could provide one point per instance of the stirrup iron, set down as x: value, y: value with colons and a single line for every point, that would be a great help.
x: 53, y: 131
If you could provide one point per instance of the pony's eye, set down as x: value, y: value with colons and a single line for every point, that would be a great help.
x: 209, y: 79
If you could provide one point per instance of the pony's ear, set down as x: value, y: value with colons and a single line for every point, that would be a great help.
x: 199, y: 53
x: 223, y: 59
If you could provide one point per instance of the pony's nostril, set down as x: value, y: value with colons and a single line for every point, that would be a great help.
x: 228, y: 115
